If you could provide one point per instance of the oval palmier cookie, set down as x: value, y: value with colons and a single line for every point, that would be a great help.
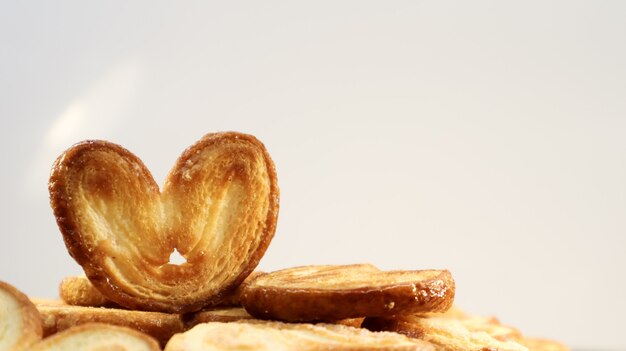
x: 218, y: 209
x: 58, y: 317
x: 325, y: 293
x: 234, y: 314
x: 20, y: 324
x: 272, y: 336
x: 98, y: 337
x: 78, y: 291
x: 217, y: 314
x: 451, y: 334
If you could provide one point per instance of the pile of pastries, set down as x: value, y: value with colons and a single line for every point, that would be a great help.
x: 218, y: 209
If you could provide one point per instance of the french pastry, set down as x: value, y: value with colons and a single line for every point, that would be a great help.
x: 98, y: 337
x: 217, y: 314
x: 490, y: 325
x: 493, y: 327
x: 468, y: 327
x: 57, y: 317
x: 328, y: 293
x: 273, y: 336
x: 78, y: 291
x: 20, y: 326
x: 451, y: 334
x: 218, y: 208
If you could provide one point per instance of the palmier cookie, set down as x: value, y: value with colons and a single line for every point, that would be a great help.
x: 20, y: 325
x: 217, y: 314
x: 58, y: 317
x: 325, y: 293
x: 218, y: 208
x: 270, y: 336
x: 98, y: 337
x: 449, y: 334
x: 78, y: 291
x: 235, y: 314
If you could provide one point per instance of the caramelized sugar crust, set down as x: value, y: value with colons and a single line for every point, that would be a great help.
x: 218, y: 208
x: 98, y: 337
x: 20, y: 325
x: 269, y: 335
x: 328, y: 293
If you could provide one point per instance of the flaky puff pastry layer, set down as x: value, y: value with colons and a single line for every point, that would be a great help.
x: 218, y: 208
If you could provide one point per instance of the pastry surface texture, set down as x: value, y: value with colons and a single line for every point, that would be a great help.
x: 277, y: 336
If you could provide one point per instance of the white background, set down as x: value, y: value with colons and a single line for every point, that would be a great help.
x: 486, y: 137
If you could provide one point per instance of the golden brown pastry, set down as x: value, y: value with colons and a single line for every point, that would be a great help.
x: 218, y: 314
x: 20, y: 326
x: 274, y: 336
x: 234, y: 314
x: 58, y: 317
x: 327, y: 293
x: 451, y: 334
x: 493, y: 327
x: 98, y: 337
x: 453, y: 312
x: 218, y: 208
x: 350, y: 322
x: 78, y: 291
x: 234, y: 297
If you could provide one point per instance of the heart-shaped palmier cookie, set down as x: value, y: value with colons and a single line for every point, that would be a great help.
x: 218, y: 209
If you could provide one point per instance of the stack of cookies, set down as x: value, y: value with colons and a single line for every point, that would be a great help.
x: 218, y: 209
